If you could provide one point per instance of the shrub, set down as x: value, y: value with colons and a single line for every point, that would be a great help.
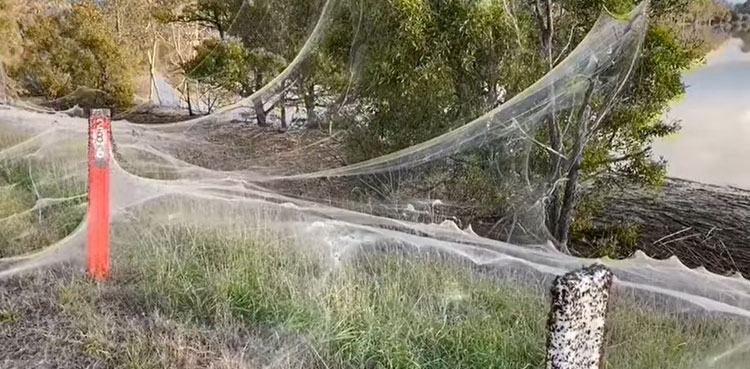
x: 75, y: 48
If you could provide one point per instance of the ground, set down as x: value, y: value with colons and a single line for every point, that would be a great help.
x: 703, y: 225
x: 186, y: 296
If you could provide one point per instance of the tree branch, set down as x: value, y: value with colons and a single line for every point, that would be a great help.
x: 628, y: 156
x: 567, y: 45
x: 513, y: 22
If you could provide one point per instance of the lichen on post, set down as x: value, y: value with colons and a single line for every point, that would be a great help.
x: 577, y: 318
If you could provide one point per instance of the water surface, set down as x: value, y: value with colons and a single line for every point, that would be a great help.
x: 714, y: 143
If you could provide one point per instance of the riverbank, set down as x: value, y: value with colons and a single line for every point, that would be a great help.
x: 703, y: 225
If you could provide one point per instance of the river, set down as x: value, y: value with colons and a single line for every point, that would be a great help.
x: 713, y: 145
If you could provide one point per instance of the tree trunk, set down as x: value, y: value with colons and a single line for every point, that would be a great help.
x: 282, y: 108
x: 152, y: 73
x: 570, y: 195
x: 309, y: 92
x: 545, y: 22
x: 260, y: 113
x: 187, y: 95
x: 219, y: 26
x: 493, y: 95
x: 566, y: 212
x: 4, y: 98
x: 118, y: 22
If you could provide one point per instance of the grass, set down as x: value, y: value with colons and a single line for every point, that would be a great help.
x: 184, y: 297
x: 382, y: 310
x: 187, y: 297
x: 39, y: 205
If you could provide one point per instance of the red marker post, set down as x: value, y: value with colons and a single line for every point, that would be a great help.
x: 99, y: 157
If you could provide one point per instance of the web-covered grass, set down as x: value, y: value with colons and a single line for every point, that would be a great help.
x: 40, y: 203
x: 381, y: 308
x: 188, y: 291
x: 384, y: 310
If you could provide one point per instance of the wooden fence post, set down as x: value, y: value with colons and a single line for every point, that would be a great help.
x: 99, y: 157
x: 577, y: 319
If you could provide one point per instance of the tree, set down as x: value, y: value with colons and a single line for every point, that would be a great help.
x: 298, y: 19
x: 71, y: 49
x: 279, y: 28
x: 619, y: 145
x: 706, y: 12
x: 15, y: 16
x: 429, y: 66
x: 10, y: 48
x: 433, y: 64
x: 158, y: 43
x: 271, y: 33
x: 237, y: 64
x: 227, y: 64
x: 218, y: 15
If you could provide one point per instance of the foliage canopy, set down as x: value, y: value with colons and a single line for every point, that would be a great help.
x: 71, y: 49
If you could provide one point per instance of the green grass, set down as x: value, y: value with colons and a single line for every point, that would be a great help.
x: 39, y: 205
x: 184, y: 287
x: 177, y: 287
x: 386, y: 310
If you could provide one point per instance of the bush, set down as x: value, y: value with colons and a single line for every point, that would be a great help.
x: 72, y: 49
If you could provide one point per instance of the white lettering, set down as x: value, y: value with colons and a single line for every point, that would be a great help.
x: 100, y: 143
